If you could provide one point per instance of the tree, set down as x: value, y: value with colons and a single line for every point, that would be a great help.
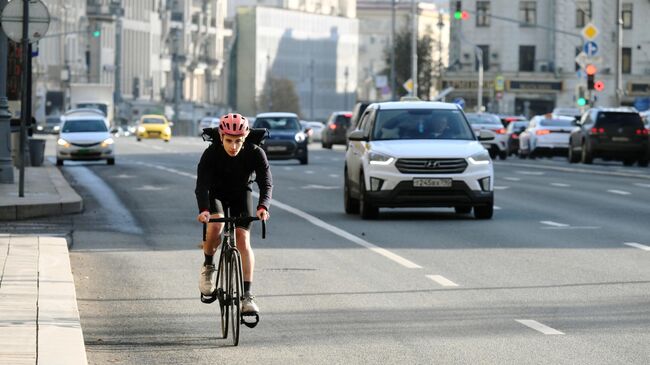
x: 278, y: 95
x: 403, y: 63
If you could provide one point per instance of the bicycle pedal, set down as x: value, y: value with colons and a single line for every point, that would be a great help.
x: 250, y: 324
x: 207, y: 299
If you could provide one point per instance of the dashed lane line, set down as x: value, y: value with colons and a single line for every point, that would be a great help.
x: 637, y: 245
x: 512, y: 178
x: 501, y: 187
x: 554, y: 224
x: 441, y: 280
x: 619, y: 192
x: 539, y: 327
x: 642, y: 185
x: 561, y: 185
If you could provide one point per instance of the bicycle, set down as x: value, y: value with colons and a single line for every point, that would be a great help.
x: 230, y: 281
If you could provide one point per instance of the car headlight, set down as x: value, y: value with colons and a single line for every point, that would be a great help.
x: 300, y: 137
x: 57, y: 127
x: 481, y: 158
x: 107, y: 142
x: 141, y: 129
x: 376, y: 158
x: 40, y: 127
x: 63, y: 143
x: 168, y: 130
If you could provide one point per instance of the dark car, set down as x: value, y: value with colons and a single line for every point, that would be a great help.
x: 357, y: 112
x: 513, y: 131
x: 52, y: 125
x: 610, y: 134
x: 336, y: 128
x: 287, y: 139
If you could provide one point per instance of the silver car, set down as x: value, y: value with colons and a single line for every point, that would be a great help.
x: 84, y: 137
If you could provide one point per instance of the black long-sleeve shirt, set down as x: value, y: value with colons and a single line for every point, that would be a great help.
x: 219, y: 174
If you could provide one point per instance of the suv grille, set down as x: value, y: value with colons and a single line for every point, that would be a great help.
x: 431, y: 165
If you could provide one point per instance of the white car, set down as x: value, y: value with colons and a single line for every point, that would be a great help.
x: 316, y: 130
x: 490, y: 122
x: 84, y: 136
x: 546, y: 135
x: 417, y: 154
x: 208, y: 122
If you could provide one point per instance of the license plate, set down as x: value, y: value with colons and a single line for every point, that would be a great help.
x: 432, y: 183
x: 620, y: 139
x: 83, y: 151
x: 276, y: 148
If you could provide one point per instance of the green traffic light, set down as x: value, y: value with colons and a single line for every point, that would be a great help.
x: 458, y: 15
x: 582, y: 102
x: 97, y: 33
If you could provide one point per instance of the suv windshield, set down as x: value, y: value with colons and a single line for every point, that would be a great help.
x: 613, y: 119
x: 92, y: 125
x: 278, y: 123
x: 421, y: 124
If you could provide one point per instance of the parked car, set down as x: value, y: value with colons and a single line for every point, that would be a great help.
x: 357, y: 112
x: 568, y: 112
x: 287, y: 139
x: 208, y: 122
x: 154, y: 126
x: 513, y: 131
x: 610, y: 134
x: 313, y: 129
x: 417, y: 154
x: 490, y: 122
x: 546, y: 135
x: 52, y: 125
x: 336, y: 128
x: 84, y: 137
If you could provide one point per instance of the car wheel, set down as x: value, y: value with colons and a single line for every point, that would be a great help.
x: 351, y: 204
x: 587, y: 157
x: 484, y: 211
x: 326, y: 145
x: 368, y: 211
x: 463, y: 210
x: 59, y: 162
x: 503, y: 155
x: 492, y: 153
x: 628, y: 162
x: 110, y: 161
x: 643, y: 162
x: 139, y: 139
x: 573, y: 158
x: 166, y: 140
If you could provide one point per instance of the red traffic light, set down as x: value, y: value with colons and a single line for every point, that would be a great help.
x: 599, y: 85
x: 590, y: 69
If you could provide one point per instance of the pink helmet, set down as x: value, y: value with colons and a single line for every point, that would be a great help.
x: 233, y: 124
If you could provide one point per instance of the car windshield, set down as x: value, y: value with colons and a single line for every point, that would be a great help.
x: 55, y: 120
x: 153, y: 121
x: 343, y: 119
x: 619, y: 119
x: 483, y: 119
x: 556, y: 122
x: 421, y: 124
x: 278, y: 123
x: 80, y: 126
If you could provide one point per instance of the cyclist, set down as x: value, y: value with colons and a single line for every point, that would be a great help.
x: 223, y: 181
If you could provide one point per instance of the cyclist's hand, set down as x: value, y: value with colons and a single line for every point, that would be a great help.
x: 203, y: 217
x: 262, y: 214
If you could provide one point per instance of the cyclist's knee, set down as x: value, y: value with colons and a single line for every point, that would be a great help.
x: 243, y: 240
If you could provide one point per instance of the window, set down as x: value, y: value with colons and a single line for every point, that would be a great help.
x: 486, y: 58
x: 626, y: 60
x: 527, y: 13
x: 583, y: 13
x: 626, y: 14
x: 526, y: 58
x: 482, y: 13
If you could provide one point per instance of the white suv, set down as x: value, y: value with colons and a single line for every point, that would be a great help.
x: 417, y: 154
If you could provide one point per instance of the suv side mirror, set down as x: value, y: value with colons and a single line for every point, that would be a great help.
x: 486, y: 135
x: 358, y: 135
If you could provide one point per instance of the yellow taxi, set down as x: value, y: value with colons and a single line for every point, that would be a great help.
x: 154, y: 126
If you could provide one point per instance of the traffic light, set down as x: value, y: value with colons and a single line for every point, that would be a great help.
x: 97, y: 31
x: 580, y: 96
x: 591, y: 72
x: 599, y: 86
x: 460, y: 13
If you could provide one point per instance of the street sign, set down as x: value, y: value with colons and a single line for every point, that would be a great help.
x: 408, y: 85
x: 499, y: 83
x: 590, y: 48
x: 582, y: 59
x: 590, y: 31
x: 460, y: 102
x: 11, y: 20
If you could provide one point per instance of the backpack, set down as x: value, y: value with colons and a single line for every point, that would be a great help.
x: 257, y: 136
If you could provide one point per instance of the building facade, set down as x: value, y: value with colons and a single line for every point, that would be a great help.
x: 317, y: 53
x: 529, y: 53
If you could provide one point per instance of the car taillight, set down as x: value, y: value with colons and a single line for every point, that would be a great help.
x: 332, y: 126
x: 642, y: 132
x: 500, y: 131
x: 515, y: 136
x: 542, y: 132
x: 348, y: 115
x: 597, y: 130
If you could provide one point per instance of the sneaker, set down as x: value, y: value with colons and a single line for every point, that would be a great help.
x: 207, y: 279
x: 248, y: 305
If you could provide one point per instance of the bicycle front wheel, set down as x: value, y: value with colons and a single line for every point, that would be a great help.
x: 222, y: 291
x: 235, y: 294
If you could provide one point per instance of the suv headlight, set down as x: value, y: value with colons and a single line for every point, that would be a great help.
x: 63, y: 143
x: 376, y: 158
x: 107, y: 142
x: 481, y: 158
x: 300, y: 137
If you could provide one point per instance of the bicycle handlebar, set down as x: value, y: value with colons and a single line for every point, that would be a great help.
x: 235, y: 221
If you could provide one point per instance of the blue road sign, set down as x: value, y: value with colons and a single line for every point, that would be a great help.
x: 460, y: 102
x: 590, y: 48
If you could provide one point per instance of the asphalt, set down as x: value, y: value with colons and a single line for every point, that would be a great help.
x: 39, y: 318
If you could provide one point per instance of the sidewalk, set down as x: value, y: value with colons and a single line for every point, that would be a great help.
x: 39, y: 318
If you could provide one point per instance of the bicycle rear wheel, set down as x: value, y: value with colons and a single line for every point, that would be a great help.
x: 235, y: 294
x: 222, y: 290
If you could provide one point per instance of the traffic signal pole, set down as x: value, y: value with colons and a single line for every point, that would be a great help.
x: 6, y: 166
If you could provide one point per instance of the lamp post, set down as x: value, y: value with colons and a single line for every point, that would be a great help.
x: 6, y: 167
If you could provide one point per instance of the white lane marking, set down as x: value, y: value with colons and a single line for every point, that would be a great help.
x: 637, y: 245
x: 561, y: 185
x: 539, y: 327
x: 288, y: 168
x: 124, y: 176
x: 335, y: 159
x: 441, y: 280
x: 619, y: 192
x: 321, y: 187
x: 315, y: 221
x: 309, y: 172
x: 576, y: 170
x: 501, y: 187
x: 150, y: 188
x: 534, y: 173
x: 642, y: 185
x: 512, y: 178
x: 334, y: 175
x: 497, y: 208
x: 554, y: 224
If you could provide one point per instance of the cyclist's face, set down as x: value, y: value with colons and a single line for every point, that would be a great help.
x: 232, y: 144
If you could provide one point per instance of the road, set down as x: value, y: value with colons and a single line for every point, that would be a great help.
x: 560, y: 275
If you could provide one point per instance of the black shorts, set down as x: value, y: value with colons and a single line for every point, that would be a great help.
x: 240, y: 205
